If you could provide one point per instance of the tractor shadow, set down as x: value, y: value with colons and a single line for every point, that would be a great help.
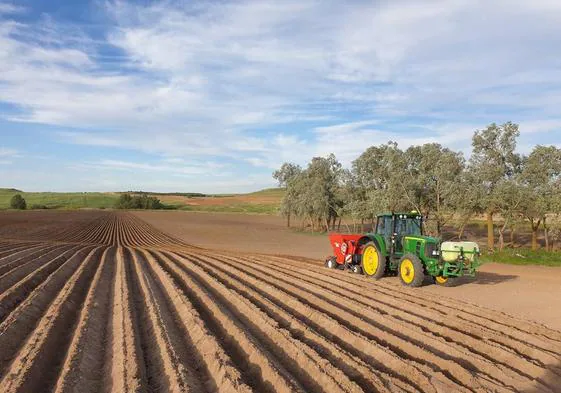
x: 487, y: 278
x: 551, y: 378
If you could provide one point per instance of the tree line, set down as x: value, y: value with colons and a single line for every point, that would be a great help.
x: 445, y: 187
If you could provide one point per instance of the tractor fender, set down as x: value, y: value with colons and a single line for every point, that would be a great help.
x: 376, y: 239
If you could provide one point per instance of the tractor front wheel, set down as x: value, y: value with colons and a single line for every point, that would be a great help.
x: 372, y: 263
x: 411, y: 271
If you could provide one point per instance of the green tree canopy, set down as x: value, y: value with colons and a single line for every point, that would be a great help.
x: 17, y: 202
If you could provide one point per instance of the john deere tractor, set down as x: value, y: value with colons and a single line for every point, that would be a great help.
x: 398, y: 245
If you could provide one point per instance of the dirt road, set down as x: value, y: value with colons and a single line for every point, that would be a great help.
x: 110, y: 303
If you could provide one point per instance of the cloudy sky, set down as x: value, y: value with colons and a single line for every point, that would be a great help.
x: 211, y: 96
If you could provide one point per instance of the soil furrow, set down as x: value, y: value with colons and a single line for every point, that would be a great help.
x: 124, y: 357
x: 449, y: 329
x: 404, y: 329
x: 20, y: 259
x: 37, y: 364
x: 20, y: 290
x: 479, y: 313
x: 536, y: 335
x: 208, y: 358
x: 357, y: 370
x: 313, y: 372
x: 258, y: 370
x: 422, y: 365
x: 84, y: 366
x: 173, y: 374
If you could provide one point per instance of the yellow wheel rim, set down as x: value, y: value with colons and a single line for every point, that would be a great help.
x: 370, y: 260
x: 441, y: 279
x: 407, y: 271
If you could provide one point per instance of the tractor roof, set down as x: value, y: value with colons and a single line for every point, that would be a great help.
x: 411, y: 214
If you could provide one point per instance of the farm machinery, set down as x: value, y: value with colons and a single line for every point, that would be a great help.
x: 398, y: 245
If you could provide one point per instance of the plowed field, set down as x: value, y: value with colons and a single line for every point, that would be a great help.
x: 102, y: 301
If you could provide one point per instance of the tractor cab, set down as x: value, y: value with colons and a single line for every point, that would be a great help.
x: 394, y: 227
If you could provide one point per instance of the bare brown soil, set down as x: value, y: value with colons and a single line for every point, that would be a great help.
x: 226, y: 200
x: 529, y: 292
x: 106, y: 302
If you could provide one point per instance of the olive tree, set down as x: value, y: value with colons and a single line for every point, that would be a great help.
x: 509, y: 198
x: 540, y: 179
x: 493, y: 160
x: 314, y: 193
x: 431, y: 182
x: 379, y: 174
x: 17, y: 202
x: 287, y: 173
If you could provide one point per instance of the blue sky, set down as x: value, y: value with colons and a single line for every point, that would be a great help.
x: 212, y: 96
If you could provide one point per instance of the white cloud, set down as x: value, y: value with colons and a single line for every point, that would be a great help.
x: 261, y: 82
x: 9, y: 153
x: 6, y: 8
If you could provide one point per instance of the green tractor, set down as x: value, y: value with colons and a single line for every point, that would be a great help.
x: 398, y: 245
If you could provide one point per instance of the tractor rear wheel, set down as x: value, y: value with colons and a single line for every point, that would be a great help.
x: 411, y: 271
x: 372, y: 263
x: 446, y: 281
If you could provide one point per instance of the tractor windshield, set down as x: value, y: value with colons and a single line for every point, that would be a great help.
x: 408, y: 226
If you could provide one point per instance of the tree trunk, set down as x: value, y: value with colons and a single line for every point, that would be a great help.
x: 339, y: 225
x: 439, y: 228
x: 535, y: 227
x: 512, y: 230
x: 545, y: 234
x: 501, y: 236
x: 501, y: 240
x: 490, y: 232
x: 288, y: 220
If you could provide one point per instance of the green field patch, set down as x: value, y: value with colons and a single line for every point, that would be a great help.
x: 524, y: 256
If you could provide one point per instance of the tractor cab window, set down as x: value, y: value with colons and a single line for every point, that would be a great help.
x: 408, y: 226
x: 384, y: 226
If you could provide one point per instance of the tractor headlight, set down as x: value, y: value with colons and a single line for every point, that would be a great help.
x: 435, y: 253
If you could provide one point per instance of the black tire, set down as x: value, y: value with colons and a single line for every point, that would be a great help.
x: 380, y: 268
x: 413, y: 272
x: 356, y: 269
x: 331, y: 263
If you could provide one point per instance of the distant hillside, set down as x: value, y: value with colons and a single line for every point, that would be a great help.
x: 60, y: 200
x: 265, y: 201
